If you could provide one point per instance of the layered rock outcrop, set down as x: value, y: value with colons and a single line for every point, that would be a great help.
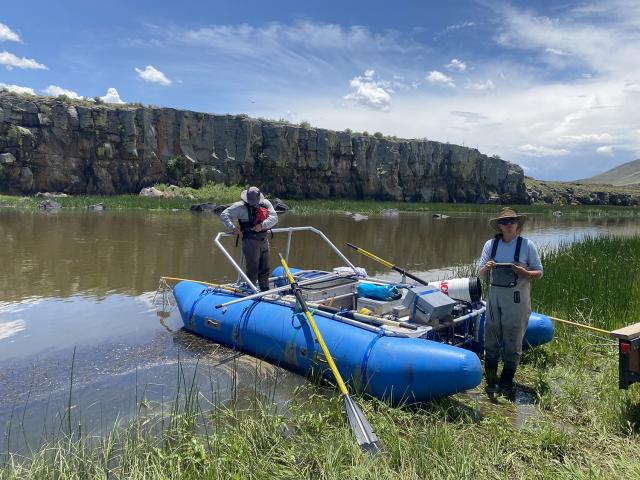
x: 574, y: 193
x: 50, y: 144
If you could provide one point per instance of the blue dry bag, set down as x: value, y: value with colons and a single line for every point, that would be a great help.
x: 378, y: 292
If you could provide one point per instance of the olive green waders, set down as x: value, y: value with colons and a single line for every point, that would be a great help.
x: 508, y: 311
x: 256, y: 257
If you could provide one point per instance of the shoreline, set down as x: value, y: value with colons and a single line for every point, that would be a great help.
x: 183, y: 198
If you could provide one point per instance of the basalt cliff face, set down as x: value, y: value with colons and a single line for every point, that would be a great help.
x: 49, y: 144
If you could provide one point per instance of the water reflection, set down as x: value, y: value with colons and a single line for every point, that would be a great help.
x: 71, y: 254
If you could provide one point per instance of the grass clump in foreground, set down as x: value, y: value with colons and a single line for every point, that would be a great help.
x: 582, y: 425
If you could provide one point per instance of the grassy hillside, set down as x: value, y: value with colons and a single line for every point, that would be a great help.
x: 622, y: 175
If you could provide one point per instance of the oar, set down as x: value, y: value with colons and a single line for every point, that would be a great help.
x: 386, y: 264
x: 365, y: 437
x: 310, y: 281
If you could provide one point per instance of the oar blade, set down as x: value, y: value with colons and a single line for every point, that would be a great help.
x: 366, y: 438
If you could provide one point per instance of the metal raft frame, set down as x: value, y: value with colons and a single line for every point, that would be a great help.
x: 367, y: 322
x: 289, y: 231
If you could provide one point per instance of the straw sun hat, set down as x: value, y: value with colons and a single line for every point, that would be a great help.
x: 507, y: 213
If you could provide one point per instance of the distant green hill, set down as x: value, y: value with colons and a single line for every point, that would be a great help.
x: 623, y: 175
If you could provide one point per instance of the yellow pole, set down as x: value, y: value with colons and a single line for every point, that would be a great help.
x: 217, y: 285
x: 325, y: 350
x: 375, y: 257
x: 581, y: 325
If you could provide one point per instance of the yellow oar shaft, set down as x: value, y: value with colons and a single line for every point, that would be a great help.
x: 325, y: 350
x: 323, y: 345
x: 581, y: 325
x: 375, y: 257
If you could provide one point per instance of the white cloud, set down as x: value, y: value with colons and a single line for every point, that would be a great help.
x: 17, y: 89
x: 368, y: 92
x: 453, y: 28
x: 9, y: 60
x: 587, y: 138
x: 605, y: 46
x: 6, y: 34
x: 440, y: 79
x: 112, y: 96
x: 54, y: 91
x: 458, y: 26
x: 469, y: 116
x: 605, y: 150
x: 556, y: 51
x: 456, y: 65
x: 480, y: 86
x: 153, y: 75
x: 542, y: 151
x: 277, y: 37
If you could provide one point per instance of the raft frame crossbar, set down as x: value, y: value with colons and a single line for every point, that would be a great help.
x: 289, y: 231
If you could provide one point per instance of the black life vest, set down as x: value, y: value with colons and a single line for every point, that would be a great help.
x: 257, y: 214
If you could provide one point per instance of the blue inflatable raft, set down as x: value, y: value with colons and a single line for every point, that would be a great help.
x: 394, y: 358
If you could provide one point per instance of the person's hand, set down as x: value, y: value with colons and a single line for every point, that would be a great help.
x: 490, y: 264
x: 257, y: 228
x: 236, y: 231
x: 521, y: 271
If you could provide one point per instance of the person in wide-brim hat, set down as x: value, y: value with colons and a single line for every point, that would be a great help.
x: 255, y: 216
x: 508, y: 213
x: 252, y: 195
x: 510, y: 262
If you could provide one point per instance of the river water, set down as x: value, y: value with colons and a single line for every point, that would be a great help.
x: 77, y: 290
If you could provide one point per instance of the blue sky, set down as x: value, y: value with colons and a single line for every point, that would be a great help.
x: 553, y: 86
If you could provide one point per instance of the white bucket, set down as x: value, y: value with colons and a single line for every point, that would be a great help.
x: 463, y: 289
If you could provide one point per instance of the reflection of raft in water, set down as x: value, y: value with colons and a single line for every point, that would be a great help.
x: 413, y: 349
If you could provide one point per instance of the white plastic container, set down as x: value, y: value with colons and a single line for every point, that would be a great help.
x: 463, y: 289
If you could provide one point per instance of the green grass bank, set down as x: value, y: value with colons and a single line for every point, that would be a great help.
x: 182, y: 198
x: 579, y: 425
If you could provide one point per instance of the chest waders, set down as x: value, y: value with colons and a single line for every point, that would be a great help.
x: 508, y: 311
x: 255, y: 248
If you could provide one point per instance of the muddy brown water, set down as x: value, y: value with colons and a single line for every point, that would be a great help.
x: 85, y: 283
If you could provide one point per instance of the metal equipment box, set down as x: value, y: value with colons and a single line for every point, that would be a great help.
x: 335, y: 287
x: 378, y: 307
x: 427, y: 304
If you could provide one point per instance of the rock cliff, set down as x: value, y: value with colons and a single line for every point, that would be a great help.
x: 49, y: 144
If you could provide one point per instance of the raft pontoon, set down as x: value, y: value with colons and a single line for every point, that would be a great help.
x: 412, y: 349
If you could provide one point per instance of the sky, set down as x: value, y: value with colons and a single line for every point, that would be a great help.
x: 553, y: 86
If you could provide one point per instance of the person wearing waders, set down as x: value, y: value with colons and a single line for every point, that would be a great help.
x: 255, y: 216
x: 511, y: 262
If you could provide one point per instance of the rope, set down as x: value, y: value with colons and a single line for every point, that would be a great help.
x: 365, y: 359
x: 203, y: 294
x: 581, y: 325
x: 244, y: 317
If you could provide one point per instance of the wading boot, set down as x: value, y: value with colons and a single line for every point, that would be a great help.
x: 506, y: 383
x: 491, y: 376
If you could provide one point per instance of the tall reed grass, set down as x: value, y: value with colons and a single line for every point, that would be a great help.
x: 596, y: 280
